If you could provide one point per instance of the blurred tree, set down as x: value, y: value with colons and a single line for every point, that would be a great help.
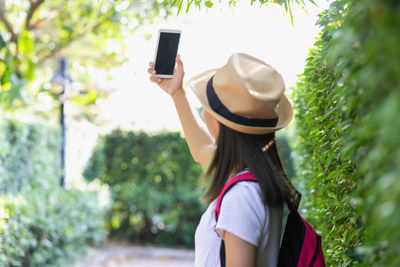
x: 90, y: 33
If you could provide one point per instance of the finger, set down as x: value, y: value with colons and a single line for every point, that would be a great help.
x: 155, y: 80
x: 151, y: 71
x: 151, y: 63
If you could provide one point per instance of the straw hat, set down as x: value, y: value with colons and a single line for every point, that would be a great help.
x: 246, y: 94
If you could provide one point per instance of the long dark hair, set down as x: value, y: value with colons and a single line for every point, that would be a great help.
x: 236, y: 151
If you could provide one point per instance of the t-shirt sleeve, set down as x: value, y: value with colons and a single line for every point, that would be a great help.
x: 242, y: 213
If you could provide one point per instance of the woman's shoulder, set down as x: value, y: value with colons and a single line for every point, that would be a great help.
x: 244, y: 193
x: 243, y: 212
x: 246, y: 187
x: 245, y: 190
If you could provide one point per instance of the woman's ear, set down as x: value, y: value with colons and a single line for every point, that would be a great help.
x: 212, y: 124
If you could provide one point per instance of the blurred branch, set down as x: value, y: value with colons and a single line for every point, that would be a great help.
x: 34, y: 6
x: 68, y: 42
x: 3, y: 18
x: 46, y: 20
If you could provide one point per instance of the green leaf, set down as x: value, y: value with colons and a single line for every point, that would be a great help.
x: 208, y: 4
x: 86, y: 98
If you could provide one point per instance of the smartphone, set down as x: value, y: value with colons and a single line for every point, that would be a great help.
x: 167, y: 48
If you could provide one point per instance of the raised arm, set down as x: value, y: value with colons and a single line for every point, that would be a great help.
x: 200, y: 142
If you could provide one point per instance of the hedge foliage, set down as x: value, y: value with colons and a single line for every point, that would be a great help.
x: 29, y: 156
x: 48, y: 227
x: 154, y: 186
x: 347, y: 103
x: 41, y: 224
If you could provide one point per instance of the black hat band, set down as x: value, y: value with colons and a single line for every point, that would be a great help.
x: 219, y: 108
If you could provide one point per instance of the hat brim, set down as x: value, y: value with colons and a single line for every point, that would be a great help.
x: 198, y: 84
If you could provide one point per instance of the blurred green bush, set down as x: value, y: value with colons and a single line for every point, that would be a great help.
x: 41, y: 224
x: 347, y: 103
x: 29, y: 156
x: 154, y: 184
x: 48, y: 227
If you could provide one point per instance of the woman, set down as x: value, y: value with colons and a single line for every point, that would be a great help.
x: 244, y: 105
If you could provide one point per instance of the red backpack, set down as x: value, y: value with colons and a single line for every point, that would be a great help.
x: 300, y: 245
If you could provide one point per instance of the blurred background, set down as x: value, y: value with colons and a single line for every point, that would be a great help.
x: 94, y: 168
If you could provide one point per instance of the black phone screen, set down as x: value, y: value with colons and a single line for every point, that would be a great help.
x: 166, y: 53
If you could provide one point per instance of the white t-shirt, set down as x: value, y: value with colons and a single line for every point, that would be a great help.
x: 244, y: 214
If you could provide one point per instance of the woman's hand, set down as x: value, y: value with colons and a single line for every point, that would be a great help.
x: 169, y: 85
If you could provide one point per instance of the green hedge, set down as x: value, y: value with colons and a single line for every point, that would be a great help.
x: 48, y: 228
x: 29, y: 156
x: 41, y: 224
x: 154, y: 186
x: 347, y: 104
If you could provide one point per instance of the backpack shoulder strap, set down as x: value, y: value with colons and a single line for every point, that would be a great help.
x: 247, y: 176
